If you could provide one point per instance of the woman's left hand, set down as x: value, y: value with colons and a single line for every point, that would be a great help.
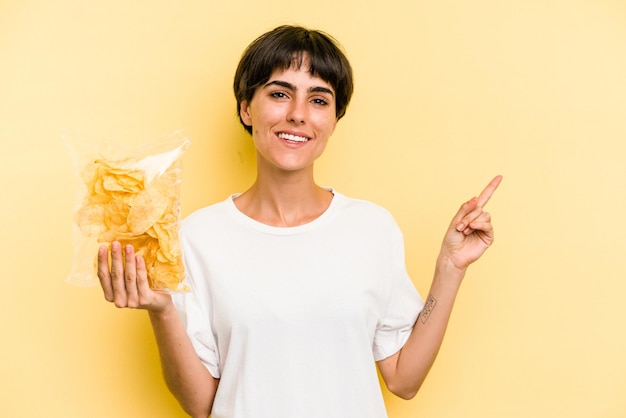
x: 470, y: 233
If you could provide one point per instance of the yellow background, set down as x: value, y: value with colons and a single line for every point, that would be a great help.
x: 448, y: 94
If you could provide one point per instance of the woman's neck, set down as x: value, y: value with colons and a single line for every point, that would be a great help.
x: 290, y: 200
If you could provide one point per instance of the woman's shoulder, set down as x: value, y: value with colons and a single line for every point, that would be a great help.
x: 362, y: 208
x: 215, y: 212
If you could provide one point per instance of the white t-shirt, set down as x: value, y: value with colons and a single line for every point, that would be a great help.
x: 292, y: 319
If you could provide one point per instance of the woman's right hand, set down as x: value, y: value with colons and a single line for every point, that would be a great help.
x: 128, y: 287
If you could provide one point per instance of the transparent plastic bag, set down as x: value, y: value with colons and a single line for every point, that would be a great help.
x: 130, y: 195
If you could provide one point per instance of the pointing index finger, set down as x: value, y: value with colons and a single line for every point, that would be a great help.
x: 485, y: 195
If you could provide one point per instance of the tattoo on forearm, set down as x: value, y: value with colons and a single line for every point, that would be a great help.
x: 429, y: 305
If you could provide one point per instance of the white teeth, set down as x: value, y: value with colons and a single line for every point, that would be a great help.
x: 293, y: 138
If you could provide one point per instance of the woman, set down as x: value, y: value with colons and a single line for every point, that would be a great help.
x: 298, y: 292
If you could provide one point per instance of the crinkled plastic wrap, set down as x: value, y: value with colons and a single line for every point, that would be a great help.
x: 131, y: 196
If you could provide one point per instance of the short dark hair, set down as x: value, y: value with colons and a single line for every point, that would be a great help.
x: 285, y: 47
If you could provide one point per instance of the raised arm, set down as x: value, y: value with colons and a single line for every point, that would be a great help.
x: 125, y: 283
x: 469, y: 235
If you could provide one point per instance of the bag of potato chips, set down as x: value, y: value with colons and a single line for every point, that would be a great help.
x: 131, y: 196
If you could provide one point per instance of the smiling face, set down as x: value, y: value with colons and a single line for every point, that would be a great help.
x: 292, y: 117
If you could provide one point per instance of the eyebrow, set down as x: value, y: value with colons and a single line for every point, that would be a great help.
x: 315, y: 89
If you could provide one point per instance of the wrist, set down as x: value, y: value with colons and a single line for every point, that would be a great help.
x: 447, y: 270
x: 164, y: 313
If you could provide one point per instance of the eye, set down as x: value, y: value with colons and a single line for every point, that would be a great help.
x: 320, y: 101
x: 278, y: 94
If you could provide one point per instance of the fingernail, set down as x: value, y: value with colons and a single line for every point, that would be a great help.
x: 460, y: 227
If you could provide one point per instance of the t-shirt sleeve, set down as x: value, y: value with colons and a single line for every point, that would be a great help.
x: 196, y: 324
x: 403, y: 307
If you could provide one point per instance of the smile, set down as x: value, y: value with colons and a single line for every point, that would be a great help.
x: 292, y: 138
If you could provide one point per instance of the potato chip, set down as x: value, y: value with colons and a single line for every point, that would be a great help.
x: 147, y: 208
x: 90, y: 219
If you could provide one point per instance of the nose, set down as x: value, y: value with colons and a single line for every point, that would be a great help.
x: 297, y: 112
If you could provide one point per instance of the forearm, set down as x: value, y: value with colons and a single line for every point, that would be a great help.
x: 417, y: 356
x: 186, y: 377
x: 468, y: 236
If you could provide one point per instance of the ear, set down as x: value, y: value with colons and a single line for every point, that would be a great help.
x: 244, y: 113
